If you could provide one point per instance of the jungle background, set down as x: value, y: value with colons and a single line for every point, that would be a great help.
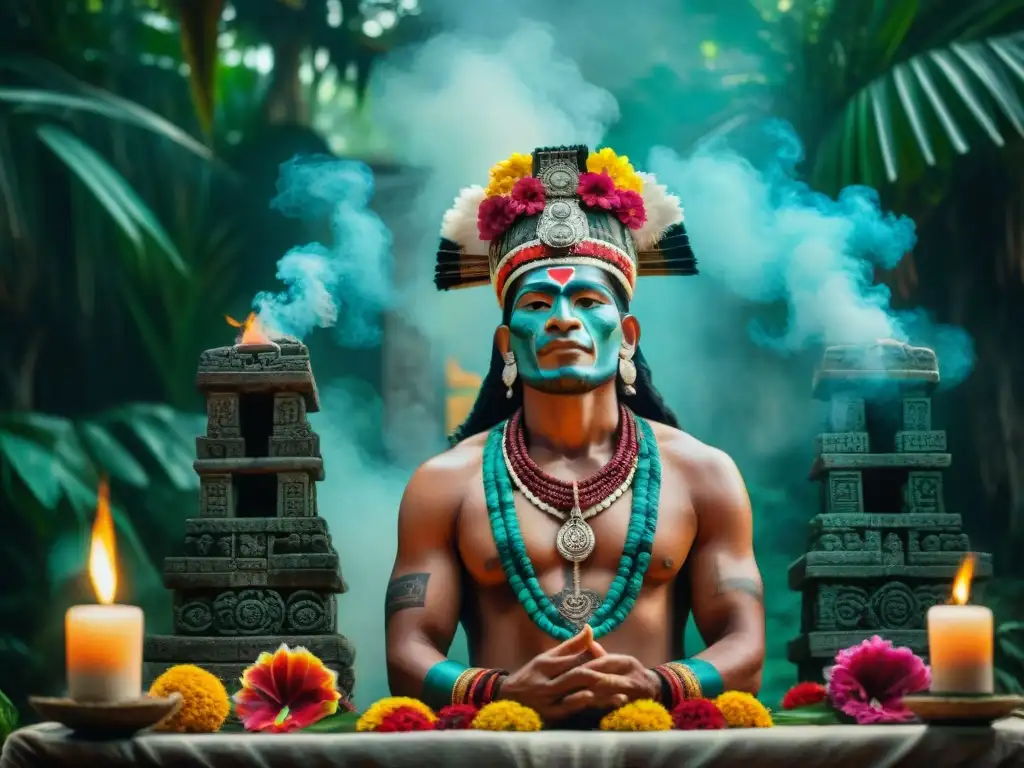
x: 139, y: 148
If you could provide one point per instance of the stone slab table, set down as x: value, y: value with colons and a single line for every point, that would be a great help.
x: 902, y: 746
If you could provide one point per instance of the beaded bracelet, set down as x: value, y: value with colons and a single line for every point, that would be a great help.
x: 477, y: 686
x: 692, y: 679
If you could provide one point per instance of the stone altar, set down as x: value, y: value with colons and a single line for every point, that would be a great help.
x: 884, y: 548
x: 258, y: 568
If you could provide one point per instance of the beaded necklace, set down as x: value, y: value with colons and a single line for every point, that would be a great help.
x: 636, y: 552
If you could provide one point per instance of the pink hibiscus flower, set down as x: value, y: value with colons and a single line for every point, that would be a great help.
x: 869, y: 681
x: 630, y: 210
x: 597, y: 190
x: 527, y: 196
x: 495, y: 215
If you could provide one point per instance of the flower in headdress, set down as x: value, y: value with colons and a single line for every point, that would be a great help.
x: 496, y: 214
x: 377, y: 712
x: 405, y: 720
x: 459, y: 223
x: 286, y: 690
x: 869, y: 681
x: 528, y: 196
x: 804, y: 695
x: 505, y: 174
x: 697, y: 715
x: 597, y: 190
x: 618, y: 168
x: 741, y: 710
x: 456, y: 717
x: 506, y: 716
x: 630, y: 209
x: 663, y: 210
x: 642, y: 715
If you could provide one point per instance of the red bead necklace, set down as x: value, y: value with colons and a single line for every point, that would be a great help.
x: 593, y: 490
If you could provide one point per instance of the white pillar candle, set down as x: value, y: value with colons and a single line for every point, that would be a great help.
x: 960, y: 641
x: 104, y: 652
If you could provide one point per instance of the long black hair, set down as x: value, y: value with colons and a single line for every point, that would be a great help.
x: 492, y: 405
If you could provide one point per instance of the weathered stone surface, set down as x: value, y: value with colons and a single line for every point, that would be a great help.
x: 262, y: 465
x: 294, y: 495
x: 828, y: 462
x: 216, y: 496
x: 886, y: 361
x: 845, y: 492
x: 847, y: 414
x: 917, y: 414
x: 220, y: 448
x: 931, y: 441
x: 923, y: 493
x: 881, y: 607
x: 295, y: 446
x: 222, y: 415
x: 846, y: 548
x: 312, y: 530
x: 802, y: 572
x: 179, y: 576
x: 824, y: 646
x: 255, y: 612
x: 842, y: 442
x: 906, y: 520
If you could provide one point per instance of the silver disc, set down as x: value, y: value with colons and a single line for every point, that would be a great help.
x: 575, y: 540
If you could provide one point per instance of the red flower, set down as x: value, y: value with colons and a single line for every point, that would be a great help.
x: 495, y: 215
x: 403, y: 720
x: 697, y: 715
x: 528, y: 196
x: 804, y: 695
x: 630, y: 210
x: 456, y: 717
x: 597, y: 190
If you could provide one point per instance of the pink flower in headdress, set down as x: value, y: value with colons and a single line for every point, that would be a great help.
x: 496, y: 214
x: 597, y: 190
x: 630, y: 210
x: 869, y: 681
x: 528, y: 196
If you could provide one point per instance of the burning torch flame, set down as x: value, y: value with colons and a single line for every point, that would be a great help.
x: 102, y: 550
x: 252, y: 330
x: 962, y: 580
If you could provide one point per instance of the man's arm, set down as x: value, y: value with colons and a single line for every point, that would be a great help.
x: 727, y: 592
x: 421, y: 610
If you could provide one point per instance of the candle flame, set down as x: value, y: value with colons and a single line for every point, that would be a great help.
x: 102, y: 549
x: 251, y: 331
x: 962, y: 580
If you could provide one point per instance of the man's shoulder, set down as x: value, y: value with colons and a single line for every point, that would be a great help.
x: 461, y: 461
x: 689, y: 455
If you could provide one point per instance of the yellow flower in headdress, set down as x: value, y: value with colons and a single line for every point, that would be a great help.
x: 618, y: 168
x: 643, y: 715
x: 379, y: 710
x: 742, y: 710
x: 505, y: 174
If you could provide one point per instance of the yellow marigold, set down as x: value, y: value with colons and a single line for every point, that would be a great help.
x: 742, y: 710
x: 643, y: 715
x: 204, y: 700
x: 505, y: 174
x: 506, y: 716
x: 618, y: 168
x: 377, y: 711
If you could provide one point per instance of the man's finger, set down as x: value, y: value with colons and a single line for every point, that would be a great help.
x: 582, y: 678
x: 596, y: 649
x: 581, y: 700
x: 575, y: 644
x: 611, y: 662
x: 553, y: 666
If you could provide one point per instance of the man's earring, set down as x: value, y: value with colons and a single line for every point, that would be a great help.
x: 509, y: 373
x: 627, y: 370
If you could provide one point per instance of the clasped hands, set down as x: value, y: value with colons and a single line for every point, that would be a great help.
x: 579, y: 674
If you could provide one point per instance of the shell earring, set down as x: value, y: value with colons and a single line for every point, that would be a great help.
x: 509, y: 373
x: 627, y: 369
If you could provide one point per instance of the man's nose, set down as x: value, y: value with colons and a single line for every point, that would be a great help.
x: 562, y: 320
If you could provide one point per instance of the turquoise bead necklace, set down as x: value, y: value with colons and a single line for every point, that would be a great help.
x: 636, y: 553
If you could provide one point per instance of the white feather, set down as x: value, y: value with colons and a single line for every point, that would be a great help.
x: 663, y: 210
x: 459, y: 223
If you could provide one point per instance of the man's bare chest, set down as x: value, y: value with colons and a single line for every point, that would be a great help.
x: 674, y: 536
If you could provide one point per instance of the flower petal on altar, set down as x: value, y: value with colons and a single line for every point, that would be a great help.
x: 285, y: 691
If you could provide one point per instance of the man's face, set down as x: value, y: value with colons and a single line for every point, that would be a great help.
x: 566, y: 329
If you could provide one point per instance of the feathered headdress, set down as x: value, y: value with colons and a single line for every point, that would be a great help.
x: 562, y: 206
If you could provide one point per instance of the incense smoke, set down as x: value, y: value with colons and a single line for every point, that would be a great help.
x: 784, y: 270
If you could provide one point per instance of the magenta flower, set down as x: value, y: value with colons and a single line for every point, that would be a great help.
x: 597, y: 190
x: 630, y: 210
x: 494, y: 216
x: 869, y: 681
x: 527, y: 196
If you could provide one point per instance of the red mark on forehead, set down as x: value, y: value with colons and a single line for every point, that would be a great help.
x: 561, y: 275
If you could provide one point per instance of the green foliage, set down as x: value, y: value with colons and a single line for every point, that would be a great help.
x: 8, y: 717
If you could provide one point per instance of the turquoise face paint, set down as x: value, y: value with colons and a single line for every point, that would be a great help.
x: 565, y: 306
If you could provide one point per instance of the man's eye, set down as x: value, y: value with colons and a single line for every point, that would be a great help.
x: 585, y: 302
x: 537, y: 305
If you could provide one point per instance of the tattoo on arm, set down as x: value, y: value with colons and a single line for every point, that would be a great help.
x: 751, y: 586
x: 409, y: 591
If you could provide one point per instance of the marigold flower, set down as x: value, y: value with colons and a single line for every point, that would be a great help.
x: 404, y: 720
x: 506, y: 716
x: 642, y: 715
x: 617, y: 167
x: 456, y: 717
x: 375, y: 714
x: 697, y: 715
x: 804, y: 695
x: 204, y: 700
x: 741, y: 710
x: 285, y: 691
x: 505, y: 174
